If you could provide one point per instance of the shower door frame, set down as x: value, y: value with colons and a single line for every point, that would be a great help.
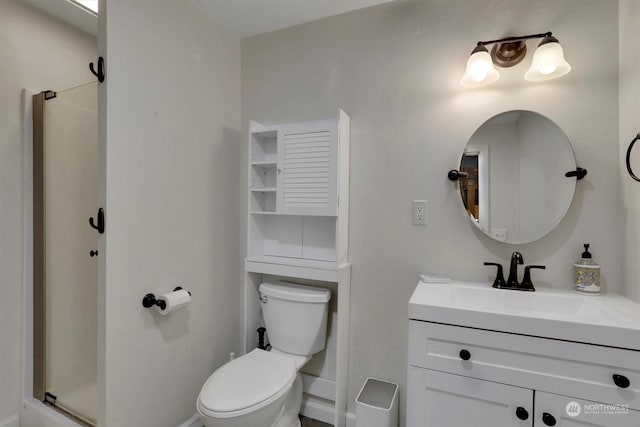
x: 39, y: 261
x: 39, y: 258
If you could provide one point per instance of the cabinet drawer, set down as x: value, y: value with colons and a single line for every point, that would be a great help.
x: 435, y: 399
x: 562, y: 367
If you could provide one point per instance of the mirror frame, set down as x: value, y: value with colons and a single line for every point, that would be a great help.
x: 573, y: 170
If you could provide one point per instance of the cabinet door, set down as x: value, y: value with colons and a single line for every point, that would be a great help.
x: 562, y: 411
x: 436, y: 399
x: 307, y: 168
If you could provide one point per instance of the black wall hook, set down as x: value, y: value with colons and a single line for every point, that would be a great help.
x: 579, y: 173
x: 455, y: 175
x: 633, y: 175
x: 100, y: 73
x: 100, y: 225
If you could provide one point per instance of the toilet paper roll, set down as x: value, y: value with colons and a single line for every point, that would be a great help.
x: 173, y: 301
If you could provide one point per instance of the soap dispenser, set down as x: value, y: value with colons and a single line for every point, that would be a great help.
x: 586, y: 274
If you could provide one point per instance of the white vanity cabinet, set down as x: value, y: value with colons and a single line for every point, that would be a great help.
x: 462, y: 376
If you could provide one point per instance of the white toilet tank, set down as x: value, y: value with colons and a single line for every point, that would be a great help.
x: 295, y: 316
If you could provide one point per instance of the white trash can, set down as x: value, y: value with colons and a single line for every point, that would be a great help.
x: 377, y: 404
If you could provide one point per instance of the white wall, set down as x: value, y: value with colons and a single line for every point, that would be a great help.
x: 395, y: 70
x: 629, y: 128
x: 36, y: 52
x: 170, y: 134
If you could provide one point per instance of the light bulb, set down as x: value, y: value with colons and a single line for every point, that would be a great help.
x: 548, y: 61
x: 478, y: 73
x: 480, y: 70
x: 548, y: 69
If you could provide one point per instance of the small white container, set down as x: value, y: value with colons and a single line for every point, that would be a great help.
x: 377, y: 404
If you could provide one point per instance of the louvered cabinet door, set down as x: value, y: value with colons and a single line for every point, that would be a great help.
x: 307, y: 169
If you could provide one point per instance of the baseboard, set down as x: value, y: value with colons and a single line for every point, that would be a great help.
x: 351, y: 419
x: 318, y: 409
x: 194, y: 421
x: 36, y: 414
x: 11, y: 422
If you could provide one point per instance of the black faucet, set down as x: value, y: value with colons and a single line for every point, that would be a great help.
x: 512, y: 281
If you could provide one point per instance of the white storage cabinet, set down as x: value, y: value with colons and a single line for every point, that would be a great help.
x: 298, y: 231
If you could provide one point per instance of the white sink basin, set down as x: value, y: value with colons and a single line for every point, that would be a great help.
x: 526, y: 303
x: 607, y: 319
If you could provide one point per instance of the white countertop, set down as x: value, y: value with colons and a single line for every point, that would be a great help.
x: 606, y: 319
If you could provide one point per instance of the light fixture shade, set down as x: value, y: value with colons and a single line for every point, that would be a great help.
x: 548, y: 61
x: 480, y: 70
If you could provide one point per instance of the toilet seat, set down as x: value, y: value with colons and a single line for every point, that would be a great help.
x: 246, y: 384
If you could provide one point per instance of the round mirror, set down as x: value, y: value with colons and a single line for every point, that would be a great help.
x: 516, y: 190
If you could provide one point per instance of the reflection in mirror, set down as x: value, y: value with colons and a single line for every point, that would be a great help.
x: 516, y: 191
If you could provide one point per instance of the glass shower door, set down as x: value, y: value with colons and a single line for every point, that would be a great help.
x: 69, y: 183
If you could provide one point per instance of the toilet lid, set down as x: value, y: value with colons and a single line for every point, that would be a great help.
x: 247, y: 381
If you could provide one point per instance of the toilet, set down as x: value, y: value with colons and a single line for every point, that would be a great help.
x: 264, y: 388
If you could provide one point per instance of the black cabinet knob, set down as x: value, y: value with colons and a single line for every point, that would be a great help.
x: 93, y: 253
x: 548, y: 419
x: 621, y: 381
x: 522, y: 413
x: 465, y: 355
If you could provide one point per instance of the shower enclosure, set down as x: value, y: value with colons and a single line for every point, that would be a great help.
x: 65, y: 143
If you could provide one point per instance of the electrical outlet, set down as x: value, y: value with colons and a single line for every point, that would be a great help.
x: 419, y: 212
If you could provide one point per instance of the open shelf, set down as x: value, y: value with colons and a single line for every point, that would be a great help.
x: 265, y: 164
x: 263, y: 201
x: 264, y: 147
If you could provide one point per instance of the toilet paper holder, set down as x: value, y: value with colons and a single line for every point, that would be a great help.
x: 149, y: 300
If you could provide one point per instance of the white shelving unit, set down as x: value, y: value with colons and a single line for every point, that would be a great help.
x: 298, y: 232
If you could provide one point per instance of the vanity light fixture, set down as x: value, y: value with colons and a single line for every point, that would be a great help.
x: 548, y: 59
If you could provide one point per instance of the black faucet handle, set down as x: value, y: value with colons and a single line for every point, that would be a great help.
x: 527, y: 284
x: 499, y: 282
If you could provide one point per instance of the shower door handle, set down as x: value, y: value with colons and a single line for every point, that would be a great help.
x: 100, y: 225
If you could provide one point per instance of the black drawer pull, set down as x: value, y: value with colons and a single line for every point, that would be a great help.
x: 621, y: 381
x: 522, y: 413
x: 465, y: 355
x: 548, y: 419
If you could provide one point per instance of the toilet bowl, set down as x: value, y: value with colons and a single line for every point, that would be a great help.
x: 264, y: 388
x: 248, y: 391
